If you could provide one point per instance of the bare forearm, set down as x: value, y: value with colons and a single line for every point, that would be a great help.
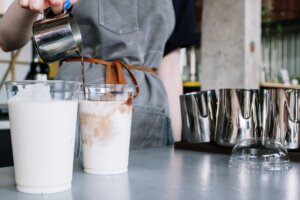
x: 16, y: 27
x: 170, y: 75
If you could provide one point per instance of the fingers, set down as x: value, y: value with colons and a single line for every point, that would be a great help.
x: 24, y: 3
x: 57, y: 6
x: 34, y: 5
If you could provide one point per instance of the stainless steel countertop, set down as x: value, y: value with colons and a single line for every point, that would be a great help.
x: 165, y: 173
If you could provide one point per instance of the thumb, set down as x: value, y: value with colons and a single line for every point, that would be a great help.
x: 57, y: 6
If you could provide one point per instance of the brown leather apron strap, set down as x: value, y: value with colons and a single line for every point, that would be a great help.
x: 113, y: 70
x: 134, y: 80
x: 120, y: 75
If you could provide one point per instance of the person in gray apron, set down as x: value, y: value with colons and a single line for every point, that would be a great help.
x: 136, y: 32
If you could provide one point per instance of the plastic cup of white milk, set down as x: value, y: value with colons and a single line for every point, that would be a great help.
x: 43, y: 118
x: 105, y: 124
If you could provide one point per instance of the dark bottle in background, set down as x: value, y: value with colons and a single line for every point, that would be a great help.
x: 39, y: 70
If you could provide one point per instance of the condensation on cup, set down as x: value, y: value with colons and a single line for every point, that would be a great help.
x: 105, y: 124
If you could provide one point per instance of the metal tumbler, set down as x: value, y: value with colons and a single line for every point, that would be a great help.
x: 237, y: 116
x: 280, y: 115
x: 198, y: 111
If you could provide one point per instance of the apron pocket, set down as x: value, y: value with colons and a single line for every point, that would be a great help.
x: 118, y: 16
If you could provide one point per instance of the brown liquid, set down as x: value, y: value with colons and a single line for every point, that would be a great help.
x: 82, y: 73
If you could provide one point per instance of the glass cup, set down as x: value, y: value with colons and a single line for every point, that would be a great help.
x: 43, y: 124
x: 261, y: 155
x: 105, y: 124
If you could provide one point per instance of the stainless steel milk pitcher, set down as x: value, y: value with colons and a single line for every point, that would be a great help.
x: 237, y: 116
x: 291, y: 134
x: 280, y: 115
x: 271, y: 103
x: 57, y: 36
x: 198, y: 111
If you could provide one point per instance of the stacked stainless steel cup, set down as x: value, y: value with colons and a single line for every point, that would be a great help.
x: 227, y: 116
x: 236, y: 116
x: 198, y: 112
x: 280, y: 116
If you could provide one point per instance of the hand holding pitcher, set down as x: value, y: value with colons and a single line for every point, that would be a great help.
x: 61, y: 30
x: 57, y: 6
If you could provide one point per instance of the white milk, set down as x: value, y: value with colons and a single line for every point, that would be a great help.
x: 105, y: 128
x: 43, y: 138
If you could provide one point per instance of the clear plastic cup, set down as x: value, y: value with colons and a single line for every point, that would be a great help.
x: 105, y: 124
x: 262, y: 155
x: 43, y: 118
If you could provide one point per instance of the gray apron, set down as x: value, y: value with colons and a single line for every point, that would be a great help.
x: 136, y: 32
